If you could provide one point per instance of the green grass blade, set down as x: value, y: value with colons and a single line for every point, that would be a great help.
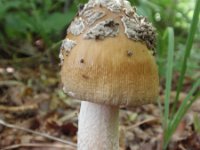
x: 169, y: 72
x: 196, y: 123
x: 190, y: 39
x: 187, y: 102
x: 185, y: 105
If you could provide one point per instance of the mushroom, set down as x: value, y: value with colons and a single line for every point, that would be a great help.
x: 107, y: 62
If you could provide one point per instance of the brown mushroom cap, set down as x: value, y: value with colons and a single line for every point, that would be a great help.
x: 114, y: 69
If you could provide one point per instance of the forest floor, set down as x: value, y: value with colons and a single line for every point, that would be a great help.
x: 34, y: 110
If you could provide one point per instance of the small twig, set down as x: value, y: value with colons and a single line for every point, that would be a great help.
x: 10, y: 83
x: 67, y: 117
x: 39, y: 145
x: 181, y: 147
x: 17, y: 109
x: 23, y: 61
x: 38, y: 133
x: 140, y: 123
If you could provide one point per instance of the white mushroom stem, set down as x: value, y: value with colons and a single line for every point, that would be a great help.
x: 98, y: 127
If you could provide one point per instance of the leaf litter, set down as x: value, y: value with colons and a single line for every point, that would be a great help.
x: 32, y: 98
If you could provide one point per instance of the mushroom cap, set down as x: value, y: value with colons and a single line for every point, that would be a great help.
x: 109, y: 69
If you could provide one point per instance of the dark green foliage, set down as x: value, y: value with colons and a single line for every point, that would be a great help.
x: 25, y: 21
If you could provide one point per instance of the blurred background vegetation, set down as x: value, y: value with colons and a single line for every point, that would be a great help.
x: 31, y: 30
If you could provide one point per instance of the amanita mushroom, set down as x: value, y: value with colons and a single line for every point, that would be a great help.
x: 107, y: 61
